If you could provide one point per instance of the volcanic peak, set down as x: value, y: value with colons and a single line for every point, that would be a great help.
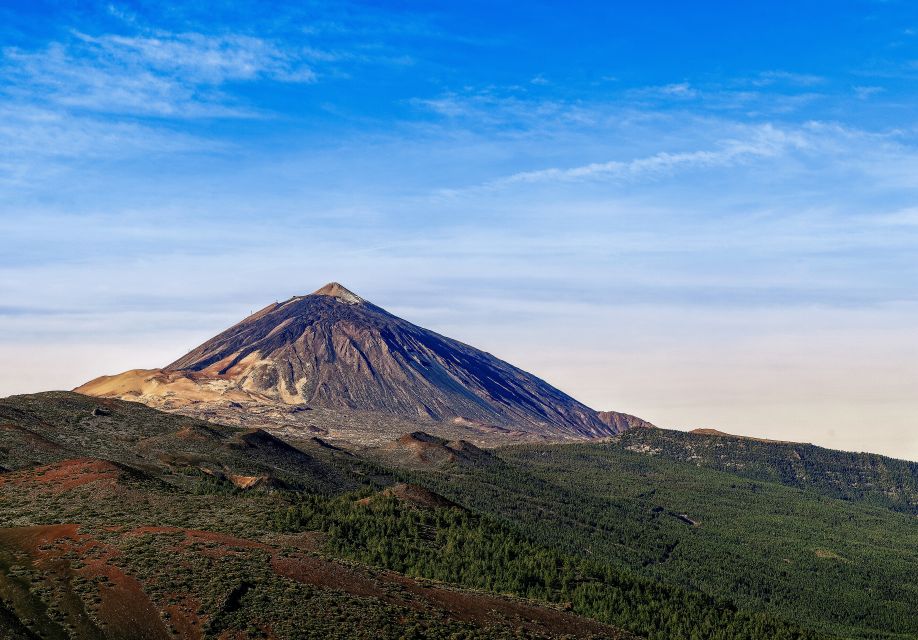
x: 339, y: 292
x: 335, y: 351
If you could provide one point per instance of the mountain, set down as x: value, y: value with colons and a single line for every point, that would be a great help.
x: 334, y: 351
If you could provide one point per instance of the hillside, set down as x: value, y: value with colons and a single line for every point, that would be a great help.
x: 419, y: 450
x: 86, y: 552
x: 111, y: 530
x: 115, y: 512
x: 866, y: 477
x: 623, y: 421
x: 842, y: 568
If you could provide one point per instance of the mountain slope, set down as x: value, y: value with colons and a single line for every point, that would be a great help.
x: 846, y: 569
x: 659, y: 547
x: 334, y: 350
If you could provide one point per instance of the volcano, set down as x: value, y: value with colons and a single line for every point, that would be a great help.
x: 334, y: 350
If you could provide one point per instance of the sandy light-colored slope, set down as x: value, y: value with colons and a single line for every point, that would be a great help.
x: 171, y: 387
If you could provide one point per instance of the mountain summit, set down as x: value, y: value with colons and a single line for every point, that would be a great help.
x: 334, y: 350
x: 339, y: 292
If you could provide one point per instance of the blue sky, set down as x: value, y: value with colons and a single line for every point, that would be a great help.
x: 701, y: 213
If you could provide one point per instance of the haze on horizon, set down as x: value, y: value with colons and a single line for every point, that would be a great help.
x: 704, y: 216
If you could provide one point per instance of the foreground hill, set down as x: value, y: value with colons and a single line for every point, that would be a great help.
x: 88, y: 552
x: 421, y: 450
x: 120, y: 521
x: 335, y: 351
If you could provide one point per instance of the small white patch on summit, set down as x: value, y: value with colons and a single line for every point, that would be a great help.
x: 340, y: 293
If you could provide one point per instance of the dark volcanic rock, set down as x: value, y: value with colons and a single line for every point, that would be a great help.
x: 333, y: 349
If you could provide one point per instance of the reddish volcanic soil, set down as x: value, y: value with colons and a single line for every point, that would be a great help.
x: 324, y: 573
x: 65, y: 475
x: 70, y: 474
x: 123, y: 607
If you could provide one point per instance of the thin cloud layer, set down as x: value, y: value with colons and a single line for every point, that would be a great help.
x: 173, y: 75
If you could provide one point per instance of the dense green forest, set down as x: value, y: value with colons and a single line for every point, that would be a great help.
x: 454, y: 545
x: 843, y: 568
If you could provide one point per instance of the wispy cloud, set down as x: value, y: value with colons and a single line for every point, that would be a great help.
x: 907, y: 217
x: 209, y: 58
x: 40, y: 143
x: 867, y: 92
x: 175, y: 75
x: 761, y: 141
x: 766, y: 94
x: 767, y: 78
x: 677, y: 90
x: 112, y: 96
x: 518, y: 108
